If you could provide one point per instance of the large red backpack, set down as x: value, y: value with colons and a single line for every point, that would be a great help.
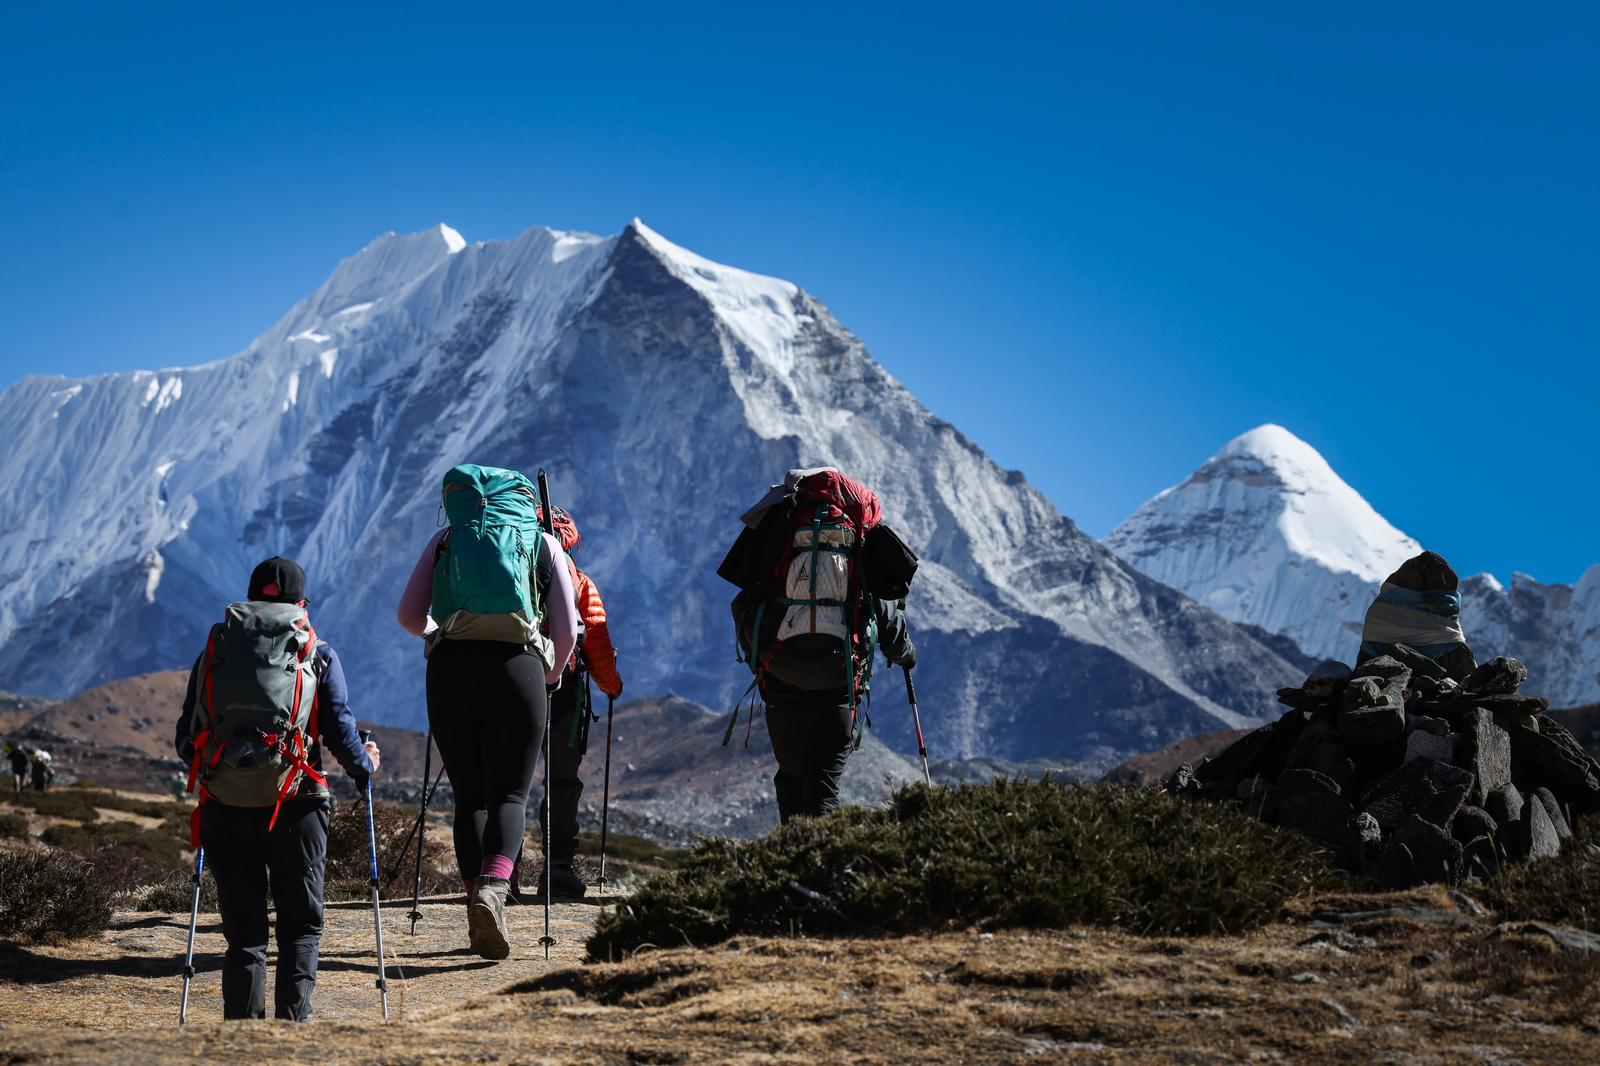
x: 814, y: 628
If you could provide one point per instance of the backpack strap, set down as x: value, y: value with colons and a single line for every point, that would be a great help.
x: 292, y: 746
x: 201, y: 739
x: 207, y: 700
x: 737, y: 706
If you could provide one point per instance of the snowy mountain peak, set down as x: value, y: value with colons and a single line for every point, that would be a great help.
x: 389, y: 263
x: 764, y: 313
x: 1267, y: 534
x: 1317, y: 514
x: 453, y: 241
x: 1266, y: 506
x: 1299, y: 464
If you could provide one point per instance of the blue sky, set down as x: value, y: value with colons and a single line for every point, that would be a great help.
x: 1101, y: 240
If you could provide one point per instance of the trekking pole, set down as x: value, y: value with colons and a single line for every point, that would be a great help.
x: 605, y: 796
x: 401, y: 854
x: 547, y: 940
x: 377, y: 906
x: 422, y: 829
x: 916, y: 716
x: 194, y: 919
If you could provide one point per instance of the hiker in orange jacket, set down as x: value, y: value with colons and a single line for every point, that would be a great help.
x: 569, y: 719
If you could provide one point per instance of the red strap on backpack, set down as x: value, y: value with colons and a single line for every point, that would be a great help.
x: 295, y: 754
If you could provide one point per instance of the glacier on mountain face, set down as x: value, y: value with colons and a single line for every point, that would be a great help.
x: 663, y: 392
x: 1267, y: 534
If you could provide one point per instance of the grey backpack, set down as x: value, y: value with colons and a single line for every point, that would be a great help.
x: 255, y: 716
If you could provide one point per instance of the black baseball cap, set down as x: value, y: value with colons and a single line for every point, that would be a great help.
x: 278, y: 580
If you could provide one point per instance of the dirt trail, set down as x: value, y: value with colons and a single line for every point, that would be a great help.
x: 1403, y: 978
x: 132, y: 977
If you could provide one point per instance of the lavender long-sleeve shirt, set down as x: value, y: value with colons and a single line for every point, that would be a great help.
x: 560, y: 604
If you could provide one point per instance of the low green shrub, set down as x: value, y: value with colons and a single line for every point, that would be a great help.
x: 72, y: 837
x: 125, y: 856
x: 61, y: 803
x: 50, y: 895
x: 349, y: 870
x: 116, y: 801
x: 13, y: 826
x: 1028, y: 854
x: 1565, y: 889
x: 175, y: 894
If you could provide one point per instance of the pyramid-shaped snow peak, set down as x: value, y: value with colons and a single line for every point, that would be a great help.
x: 664, y: 392
x: 1267, y: 534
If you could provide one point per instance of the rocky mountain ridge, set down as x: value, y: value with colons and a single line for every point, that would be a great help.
x: 663, y: 392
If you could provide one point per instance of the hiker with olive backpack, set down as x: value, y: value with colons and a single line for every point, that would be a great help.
x: 821, y: 581
x: 265, y: 698
x: 492, y: 598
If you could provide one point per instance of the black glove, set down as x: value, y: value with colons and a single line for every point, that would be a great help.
x: 909, y: 659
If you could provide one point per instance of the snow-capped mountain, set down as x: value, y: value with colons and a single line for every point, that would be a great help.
x: 1555, y: 629
x: 663, y: 392
x: 1267, y: 534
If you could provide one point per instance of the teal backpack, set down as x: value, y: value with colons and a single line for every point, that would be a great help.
x: 483, y: 579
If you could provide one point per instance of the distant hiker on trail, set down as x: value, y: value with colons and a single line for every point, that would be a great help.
x: 43, y: 770
x: 478, y: 595
x: 570, y: 717
x: 264, y: 699
x: 18, y: 756
x: 819, y: 585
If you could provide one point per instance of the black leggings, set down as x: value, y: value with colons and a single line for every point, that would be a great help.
x: 486, y: 707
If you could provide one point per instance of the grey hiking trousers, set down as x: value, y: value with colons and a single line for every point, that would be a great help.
x: 241, y: 855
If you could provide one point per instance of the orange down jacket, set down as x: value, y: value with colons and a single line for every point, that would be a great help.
x: 597, y: 649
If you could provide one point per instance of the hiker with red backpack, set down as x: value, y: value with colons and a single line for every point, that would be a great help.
x: 265, y: 699
x: 570, y: 717
x: 821, y: 583
x: 493, y: 600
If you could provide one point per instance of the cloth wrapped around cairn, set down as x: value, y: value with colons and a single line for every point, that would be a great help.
x: 1420, y: 765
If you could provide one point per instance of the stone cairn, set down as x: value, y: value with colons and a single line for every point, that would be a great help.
x: 1415, y: 775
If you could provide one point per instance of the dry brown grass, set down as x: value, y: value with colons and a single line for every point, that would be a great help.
x: 1399, y: 990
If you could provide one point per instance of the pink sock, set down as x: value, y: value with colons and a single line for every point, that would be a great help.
x: 471, y: 886
x: 496, y: 866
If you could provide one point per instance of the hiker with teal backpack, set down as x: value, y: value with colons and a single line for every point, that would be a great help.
x: 265, y: 698
x: 821, y: 580
x: 492, y: 598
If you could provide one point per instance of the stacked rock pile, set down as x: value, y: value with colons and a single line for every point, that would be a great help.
x: 1413, y: 774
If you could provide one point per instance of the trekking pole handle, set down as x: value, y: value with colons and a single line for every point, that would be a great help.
x: 549, y: 522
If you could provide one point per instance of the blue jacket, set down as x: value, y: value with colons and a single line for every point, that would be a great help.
x: 335, y: 719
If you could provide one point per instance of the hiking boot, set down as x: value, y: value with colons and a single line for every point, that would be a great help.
x: 565, y: 882
x: 486, y: 920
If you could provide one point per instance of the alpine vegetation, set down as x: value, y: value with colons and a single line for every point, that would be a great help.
x: 1008, y: 854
